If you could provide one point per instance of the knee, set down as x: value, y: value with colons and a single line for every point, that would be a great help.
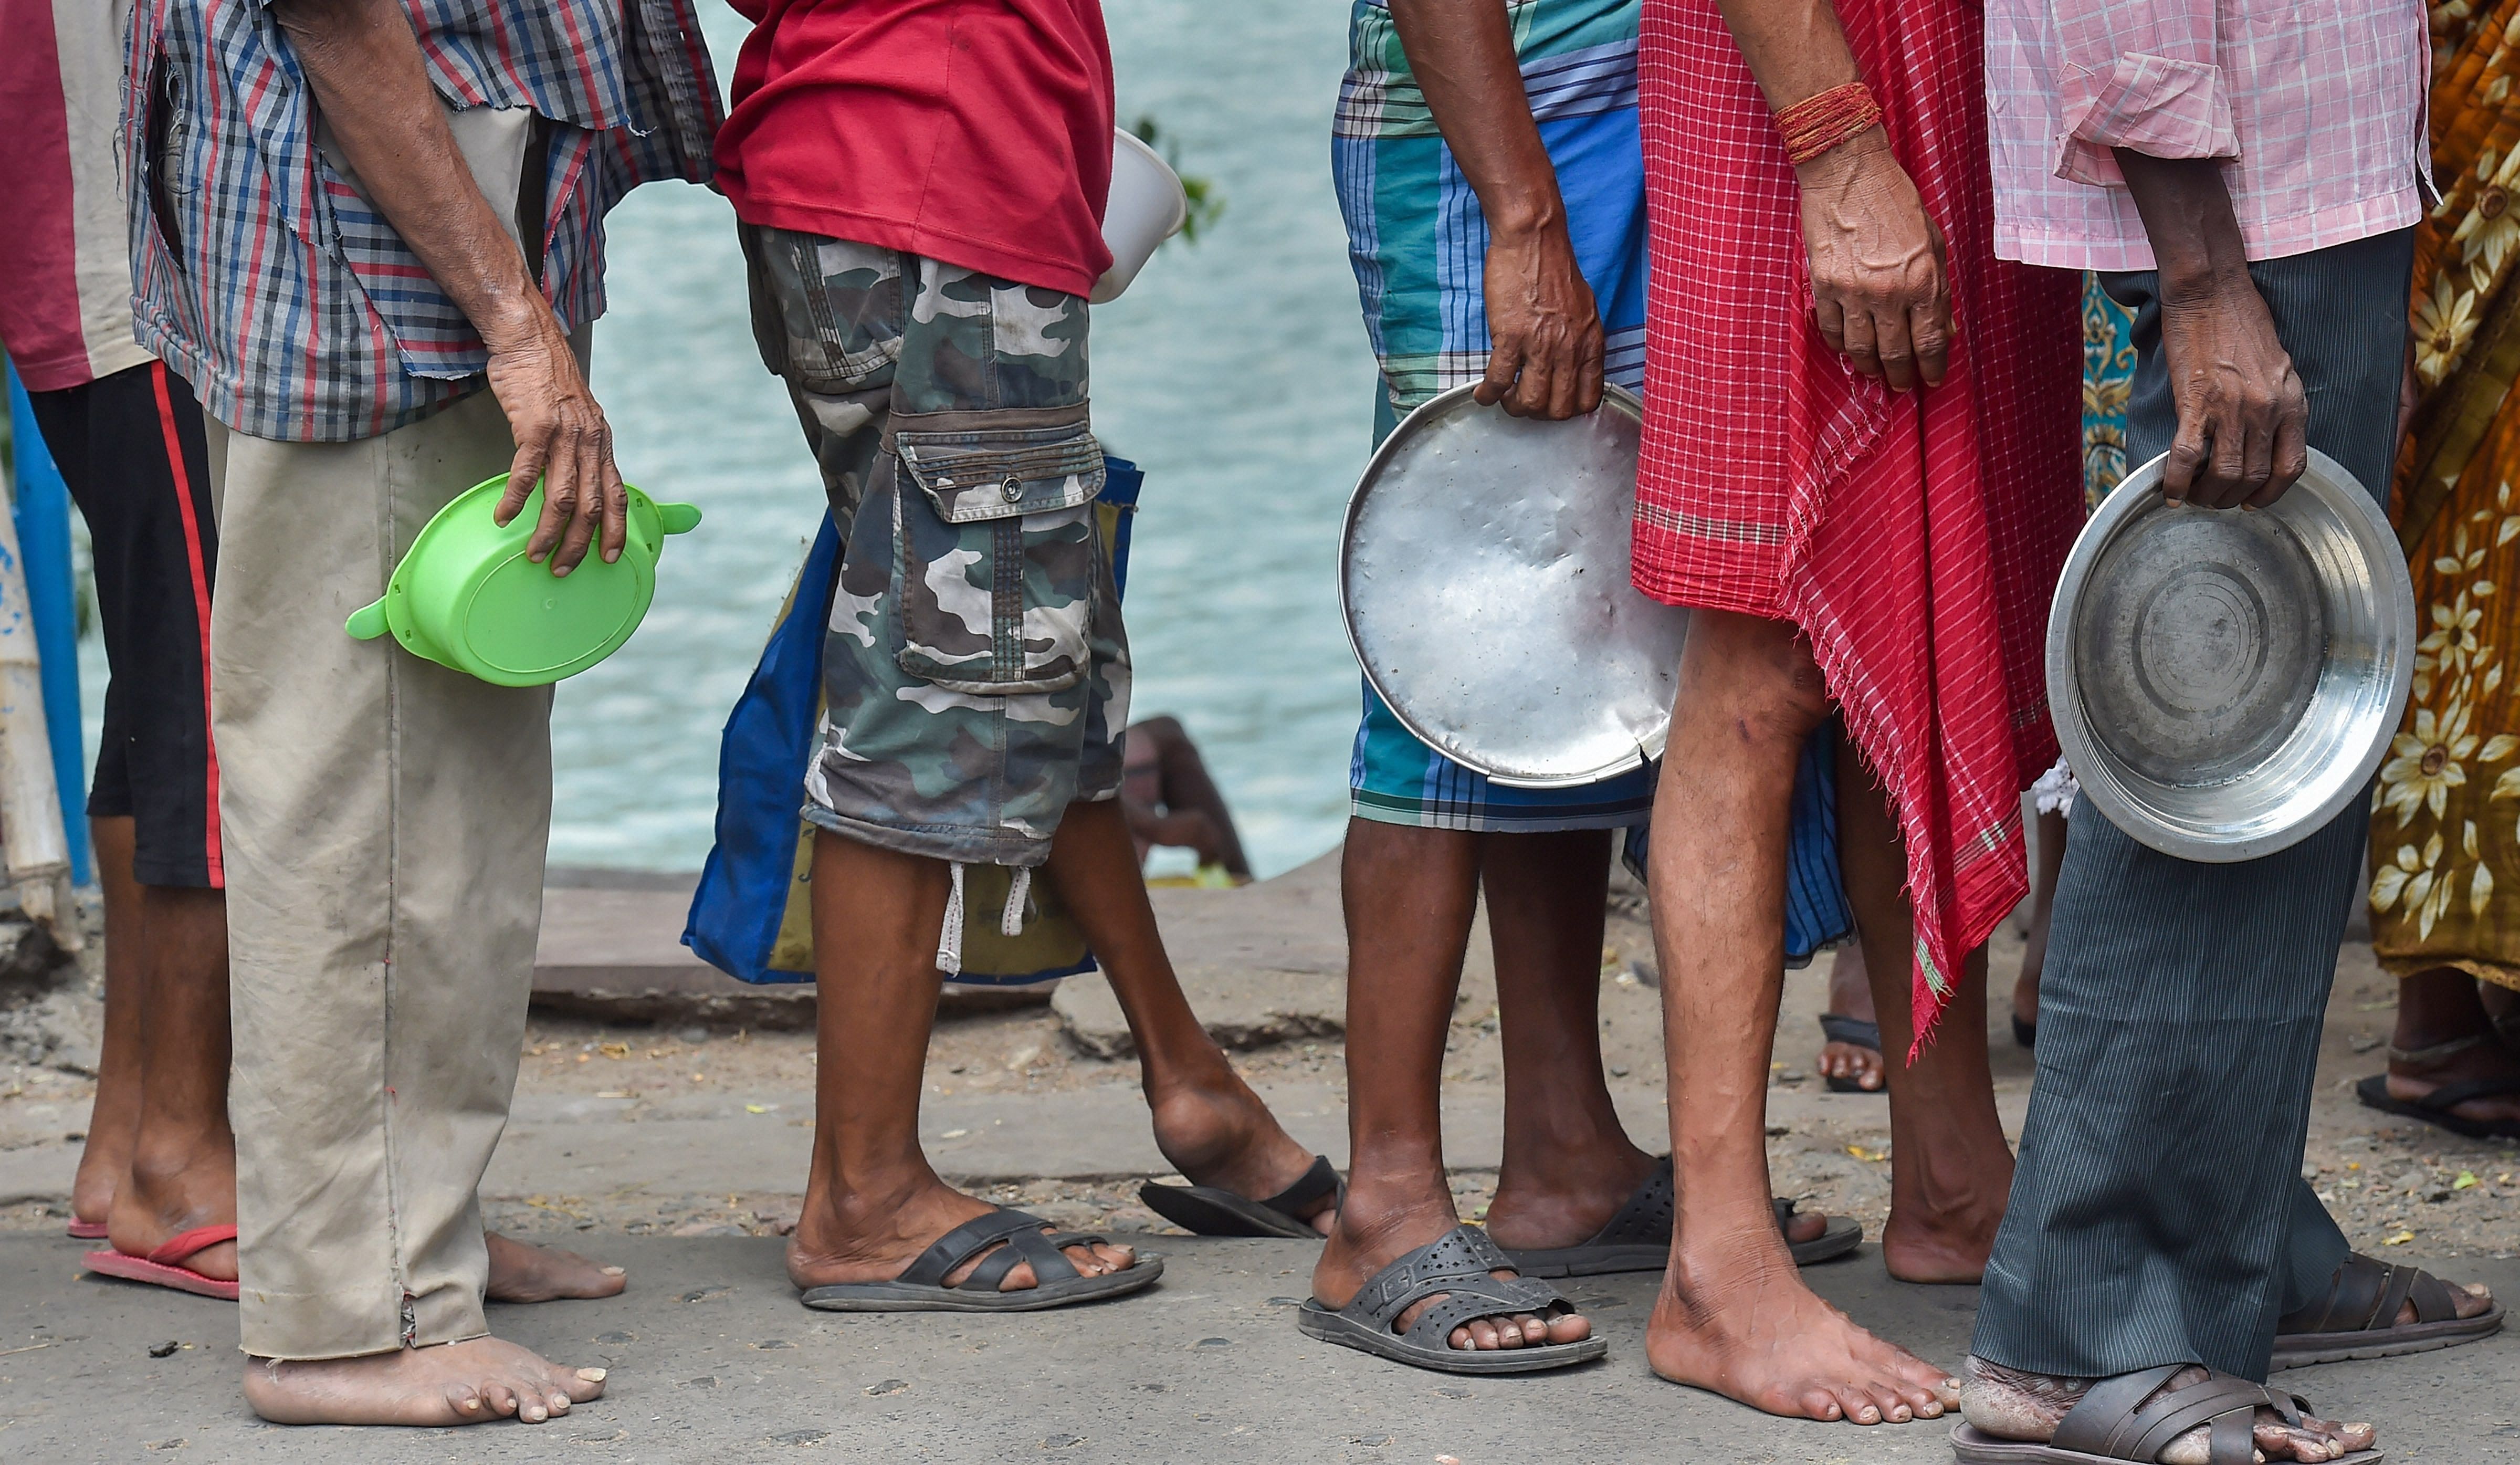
x: 1762, y: 668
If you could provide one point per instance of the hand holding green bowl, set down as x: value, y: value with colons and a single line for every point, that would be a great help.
x: 465, y: 595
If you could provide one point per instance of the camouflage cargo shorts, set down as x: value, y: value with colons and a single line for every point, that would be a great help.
x: 975, y: 673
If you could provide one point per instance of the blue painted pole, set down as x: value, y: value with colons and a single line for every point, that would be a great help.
x: 43, y: 521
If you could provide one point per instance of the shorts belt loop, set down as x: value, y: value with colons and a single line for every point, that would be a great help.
x: 1010, y: 922
x: 949, y: 941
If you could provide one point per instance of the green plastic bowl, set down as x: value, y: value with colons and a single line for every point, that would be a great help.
x: 466, y: 596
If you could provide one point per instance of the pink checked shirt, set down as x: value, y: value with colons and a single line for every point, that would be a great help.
x: 2318, y: 105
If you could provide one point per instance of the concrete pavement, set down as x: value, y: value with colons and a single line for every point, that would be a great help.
x: 713, y: 1361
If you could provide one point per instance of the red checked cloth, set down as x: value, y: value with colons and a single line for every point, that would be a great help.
x: 1914, y: 538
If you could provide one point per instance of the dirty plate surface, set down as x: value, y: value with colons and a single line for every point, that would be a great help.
x: 2226, y: 681
x: 1483, y: 573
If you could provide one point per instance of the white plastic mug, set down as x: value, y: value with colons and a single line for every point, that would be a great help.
x: 1147, y: 206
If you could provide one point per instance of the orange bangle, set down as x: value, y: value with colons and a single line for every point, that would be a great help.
x: 1816, y: 125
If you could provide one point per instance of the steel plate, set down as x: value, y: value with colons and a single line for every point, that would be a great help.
x: 2223, y: 681
x: 1483, y: 574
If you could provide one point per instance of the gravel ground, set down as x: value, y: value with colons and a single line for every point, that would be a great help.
x: 2391, y: 1183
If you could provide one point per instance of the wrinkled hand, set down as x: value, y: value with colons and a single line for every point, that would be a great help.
x: 562, y: 439
x: 1547, y: 360
x: 2243, y: 417
x: 1880, y: 290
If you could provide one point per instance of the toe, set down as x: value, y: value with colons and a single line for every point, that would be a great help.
x: 1573, y: 1327
x: 585, y: 1384
x: 1820, y: 1403
x: 1483, y: 1334
x: 1858, y: 1406
x: 2474, y: 1300
x: 501, y: 1399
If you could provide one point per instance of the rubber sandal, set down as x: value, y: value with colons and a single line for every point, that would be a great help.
x: 2024, y: 1035
x: 2114, y: 1422
x: 1207, y: 1210
x: 164, y: 1266
x: 2435, y: 1108
x: 1637, y: 1237
x: 1458, y: 1263
x: 80, y: 1231
x: 1855, y: 1032
x: 921, y: 1286
x: 2358, y: 1318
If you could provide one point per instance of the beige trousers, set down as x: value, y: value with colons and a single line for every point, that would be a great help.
x: 385, y: 821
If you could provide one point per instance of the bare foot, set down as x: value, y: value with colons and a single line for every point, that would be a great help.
x: 451, y: 1383
x: 1368, y: 1235
x: 1216, y: 1131
x: 175, y: 1184
x: 1735, y: 1317
x: 2010, y: 1404
x: 522, y: 1272
x: 860, y: 1238
x: 1946, y: 1204
x: 1850, y: 994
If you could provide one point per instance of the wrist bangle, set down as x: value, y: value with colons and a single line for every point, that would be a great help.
x: 1816, y: 125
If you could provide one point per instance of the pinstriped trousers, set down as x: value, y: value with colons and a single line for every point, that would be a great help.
x: 2158, y: 1214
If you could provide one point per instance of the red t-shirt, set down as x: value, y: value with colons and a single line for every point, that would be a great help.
x: 974, y: 131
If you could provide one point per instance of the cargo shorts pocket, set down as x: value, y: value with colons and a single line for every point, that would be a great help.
x: 996, y: 551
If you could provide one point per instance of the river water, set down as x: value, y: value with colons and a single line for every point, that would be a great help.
x: 1235, y: 372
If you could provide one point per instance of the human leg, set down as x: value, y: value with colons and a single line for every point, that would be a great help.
x: 2127, y: 1245
x: 385, y: 821
x: 1843, y: 1059
x: 2047, y: 856
x: 114, y: 1116
x: 1209, y: 1123
x: 1733, y: 1314
x: 1950, y: 1166
x: 1409, y: 893
x: 1568, y: 1165
x: 872, y: 1203
x: 2445, y: 1037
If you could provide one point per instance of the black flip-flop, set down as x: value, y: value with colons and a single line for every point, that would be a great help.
x: 1459, y: 1265
x: 2435, y: 1108
x: 1637, y: 1237
x: 1057, y: 1283
x: 2024, y: 1035
x: 1207, y: 1210
x: 1855, y: 1032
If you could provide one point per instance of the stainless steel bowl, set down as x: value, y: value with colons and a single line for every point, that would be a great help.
x: 1483, y: 573
x: 2223, y: 681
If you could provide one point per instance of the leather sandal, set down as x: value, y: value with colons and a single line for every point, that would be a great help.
x: 2118, y: 1419
x: 2358, y: 1317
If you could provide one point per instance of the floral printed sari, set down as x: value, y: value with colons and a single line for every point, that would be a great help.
x: 2446, y: 817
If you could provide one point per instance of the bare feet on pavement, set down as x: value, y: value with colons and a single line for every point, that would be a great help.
x: 472, y: 1382
x: 523, y: 1272
x: 2010, y: 1404
x: 1735, y: 1317
x: 863, y: 1237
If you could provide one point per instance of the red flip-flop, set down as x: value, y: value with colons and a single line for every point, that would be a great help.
x: 164, y: 1266
x: 87, y: 1230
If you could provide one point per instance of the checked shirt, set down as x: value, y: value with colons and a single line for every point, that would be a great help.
x: 276, y: 288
